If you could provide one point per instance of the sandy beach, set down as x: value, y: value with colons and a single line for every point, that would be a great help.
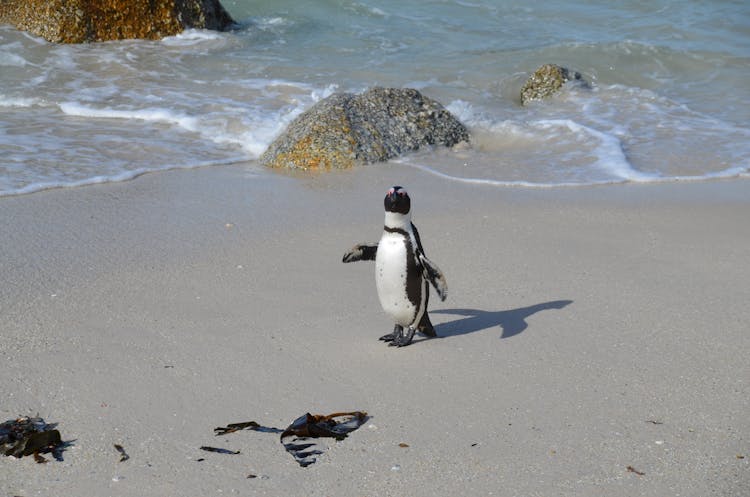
x: 587, y: 331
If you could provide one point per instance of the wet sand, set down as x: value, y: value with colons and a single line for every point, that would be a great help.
x: 586, y: 331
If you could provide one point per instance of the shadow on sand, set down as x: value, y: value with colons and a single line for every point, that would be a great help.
x: 512, y: 322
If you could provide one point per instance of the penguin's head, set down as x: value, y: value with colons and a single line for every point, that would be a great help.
x: 397, y: 200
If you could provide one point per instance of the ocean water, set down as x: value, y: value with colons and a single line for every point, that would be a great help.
x: 666, y: 94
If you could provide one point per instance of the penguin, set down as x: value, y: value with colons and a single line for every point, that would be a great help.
x: 403, y: 272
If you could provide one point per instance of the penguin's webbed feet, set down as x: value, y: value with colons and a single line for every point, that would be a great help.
x: 392, y: 336
x: 398, y: 338
x: 403, y: 339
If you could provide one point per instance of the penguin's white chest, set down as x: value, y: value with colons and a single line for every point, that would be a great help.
x: 391, y: 279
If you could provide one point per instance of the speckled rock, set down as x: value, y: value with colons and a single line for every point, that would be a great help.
x: 546, y: 81
x: 79, y: 21
x: 347, y: 129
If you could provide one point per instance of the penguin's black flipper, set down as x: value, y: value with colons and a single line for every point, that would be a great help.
x: 361, y: 252
x: 434, y: 275
x: 416, y: 237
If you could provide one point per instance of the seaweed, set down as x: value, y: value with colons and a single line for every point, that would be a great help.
x: 310, y: 426
x: 219, y: 450
x: 123, y: 455
x: 25, y: 436
x: 231, y: 428
x: 246, y: 425
x: 631, y: 469
x: 298, y: 437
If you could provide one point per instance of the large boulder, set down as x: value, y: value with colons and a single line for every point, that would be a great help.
x: 545, y: 82
x: 79, y: 21
x: 345, y: 129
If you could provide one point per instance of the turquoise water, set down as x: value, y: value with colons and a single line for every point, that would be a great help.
x: 667, y: 95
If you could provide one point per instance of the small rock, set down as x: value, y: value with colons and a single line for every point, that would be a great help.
x: 545, y: 82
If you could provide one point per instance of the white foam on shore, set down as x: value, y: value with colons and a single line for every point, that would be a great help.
x: 735, y: 172
x: 486, y: 181
x: 219, y: 127
x: 114, y: 178
x: 250, y: 128
x: 609, y: 155
x: 153, y: 115
x: 17, y: 101
x: 617, y: 132
x: 575, y: 154
x: 191, y: 36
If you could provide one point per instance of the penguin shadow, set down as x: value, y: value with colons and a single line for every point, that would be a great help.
x: 513, y: 321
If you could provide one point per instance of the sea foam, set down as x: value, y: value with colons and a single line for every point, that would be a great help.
x: 149, y: 114
x: 671, y: 106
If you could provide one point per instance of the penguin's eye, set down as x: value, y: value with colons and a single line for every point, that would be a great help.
x: 402, y: 192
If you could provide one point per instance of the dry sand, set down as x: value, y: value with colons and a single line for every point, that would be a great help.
x: 586, y: 330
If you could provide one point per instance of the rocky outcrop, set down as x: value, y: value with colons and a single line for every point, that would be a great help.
x: 546, y: 81
x: 78, y: 21
x: 346, y: 129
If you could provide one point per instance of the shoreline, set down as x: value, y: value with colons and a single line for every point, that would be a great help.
x: 148, y: 312
x: 736, y: 173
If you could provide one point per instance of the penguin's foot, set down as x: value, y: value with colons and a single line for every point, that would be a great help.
x: 397, y: 330
x: 403, y: 339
